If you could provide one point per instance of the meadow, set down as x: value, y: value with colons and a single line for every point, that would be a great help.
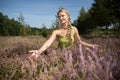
x: 74, y: 63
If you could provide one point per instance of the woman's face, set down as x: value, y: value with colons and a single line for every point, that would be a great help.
x: 63, y: 17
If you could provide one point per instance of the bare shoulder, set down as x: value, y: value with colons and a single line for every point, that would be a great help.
x: 56, y: 32
x: 74, y: 28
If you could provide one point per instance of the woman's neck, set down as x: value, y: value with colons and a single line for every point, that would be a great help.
x: 64, y: 26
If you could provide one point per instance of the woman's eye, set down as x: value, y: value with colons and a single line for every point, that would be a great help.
x: 62, y: 15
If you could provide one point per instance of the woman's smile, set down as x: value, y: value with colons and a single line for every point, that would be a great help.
x: 62, y: 17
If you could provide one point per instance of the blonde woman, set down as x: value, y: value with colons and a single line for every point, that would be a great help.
x: 66, y: 35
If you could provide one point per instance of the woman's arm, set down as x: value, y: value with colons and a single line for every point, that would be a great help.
x: 80, y: 41
x: 48, y: 42
x: 35, y: 53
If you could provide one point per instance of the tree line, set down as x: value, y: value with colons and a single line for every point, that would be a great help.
x: 102, y: 18
x: 11, y: 27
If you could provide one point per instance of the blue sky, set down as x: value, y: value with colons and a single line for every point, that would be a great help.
x: 39, y: 12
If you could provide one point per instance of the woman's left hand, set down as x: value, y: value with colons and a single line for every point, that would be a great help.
x: 34, y: 55
x: 95, y: 46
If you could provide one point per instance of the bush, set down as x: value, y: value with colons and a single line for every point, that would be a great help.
x: 74, y: 63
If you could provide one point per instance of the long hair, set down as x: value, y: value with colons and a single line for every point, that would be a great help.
x: 69, y: 22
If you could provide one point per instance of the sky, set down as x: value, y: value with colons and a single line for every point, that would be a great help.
x: 42, y: 12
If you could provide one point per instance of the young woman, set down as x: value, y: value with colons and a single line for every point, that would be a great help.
x: 66, y: 35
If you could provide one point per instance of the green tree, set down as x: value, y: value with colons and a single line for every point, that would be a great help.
x: 114, y: 8
x: 21, y: 19
x: 75, y: 23
x: 100, y: 14
x: 83, y: 22
x: 3, y: 25
x: 105, y: 13
x: 114, y: 11
x: 44, y: 31
x: 56, y: 23
x: 11, y: 27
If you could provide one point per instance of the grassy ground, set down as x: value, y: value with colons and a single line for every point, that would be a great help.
x: 82, y: 64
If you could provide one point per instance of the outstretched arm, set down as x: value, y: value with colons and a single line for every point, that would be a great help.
x: 36, y: 53
x: 82, y: 42
x: 48, y: 42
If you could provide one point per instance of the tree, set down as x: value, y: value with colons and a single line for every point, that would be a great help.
x: 114, y: 11
x: 10, y: 27
x: 83, y: 22
x: 21, y: 19
x: 44, y: 31
x: 75, y: 23
x: 114, y: 8
x: 100, y: 14
x: 56, y: 24
x: 105, y: 13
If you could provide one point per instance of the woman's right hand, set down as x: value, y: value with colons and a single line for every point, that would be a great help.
x: 34, y: 55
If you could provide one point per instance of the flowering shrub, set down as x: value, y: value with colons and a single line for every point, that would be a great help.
x: 73, y: 63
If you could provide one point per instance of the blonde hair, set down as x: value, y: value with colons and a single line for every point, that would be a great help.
x: 63, y: 10
x: 69, y: 23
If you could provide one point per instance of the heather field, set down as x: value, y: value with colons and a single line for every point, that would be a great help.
x: 74, y: 63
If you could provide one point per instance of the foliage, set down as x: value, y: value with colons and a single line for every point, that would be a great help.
x: 114, y: 8
x: 44, y: 32
x: 100, y: 14
x: 11, y: 27
x: 84, y: 23
x: 55, y: 24
x: 103, y: 13
x: 54, y: 64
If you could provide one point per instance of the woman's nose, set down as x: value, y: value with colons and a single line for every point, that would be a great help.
x: 60, y: 17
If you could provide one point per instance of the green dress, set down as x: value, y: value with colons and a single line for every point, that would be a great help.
x: 65, y: 41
